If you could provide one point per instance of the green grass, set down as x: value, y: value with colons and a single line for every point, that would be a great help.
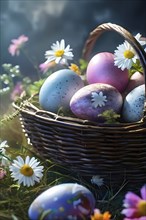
x: 15, y: 200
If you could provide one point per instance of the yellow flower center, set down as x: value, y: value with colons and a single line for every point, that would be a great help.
x: 59, y: 53
x: 128, y: 54
x: 75, y: 68
x: 26, y: 170
x: 142, y: 208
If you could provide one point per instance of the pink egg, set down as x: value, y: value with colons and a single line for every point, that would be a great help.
x: 101, y: 69
x: 136, y: 79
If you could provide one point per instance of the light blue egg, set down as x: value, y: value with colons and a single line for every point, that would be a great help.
x: 58, y: 89
x: 134, y: 105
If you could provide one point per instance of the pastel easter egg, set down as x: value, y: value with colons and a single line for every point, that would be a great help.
x: 64, y: 201
x: 101, y: 69
x: 58, y: 89
x: 135, y: 80
x: 134, y: 104
x: 92, y: 100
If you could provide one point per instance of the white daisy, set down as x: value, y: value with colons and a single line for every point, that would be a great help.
x: 97, y: 180
x: 98, y: 99
x: 27, y: 172
x: 59, y: 53
x: 2, y: 147
x: 125, y: 55
x: 140, y: 39
x: 3, y: 160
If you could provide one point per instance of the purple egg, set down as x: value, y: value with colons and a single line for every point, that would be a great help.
x: 101, y: 69
x: 92, y: 100
x: 64, y: 201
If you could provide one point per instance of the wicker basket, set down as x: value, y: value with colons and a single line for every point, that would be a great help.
x: 116, y: 152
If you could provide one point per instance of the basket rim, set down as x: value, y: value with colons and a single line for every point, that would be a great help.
x: 30, y: 109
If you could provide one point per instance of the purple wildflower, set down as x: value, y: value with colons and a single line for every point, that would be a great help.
x: 18, y: 89
x: 135, y: 206
x: 2, y: 173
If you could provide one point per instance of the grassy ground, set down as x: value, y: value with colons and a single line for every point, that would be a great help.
x: 15, y: 200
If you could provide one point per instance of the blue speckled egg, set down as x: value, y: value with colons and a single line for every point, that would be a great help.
x: 58, y: 89
x: 63, y: 202
x: 134, y: 104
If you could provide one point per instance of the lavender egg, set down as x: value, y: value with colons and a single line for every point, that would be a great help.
x: 58, y: 89
x: 134, y: 104
x: 101, y: 69
x: 64, y: 201
x: 92, y: 100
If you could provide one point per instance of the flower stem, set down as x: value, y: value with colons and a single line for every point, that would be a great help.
x: 31, y: 61
x: 5, y: 157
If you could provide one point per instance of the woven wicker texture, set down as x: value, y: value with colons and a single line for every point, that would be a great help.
x: 116, y: 152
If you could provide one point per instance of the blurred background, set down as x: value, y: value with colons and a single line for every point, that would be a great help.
x: 46, y: 21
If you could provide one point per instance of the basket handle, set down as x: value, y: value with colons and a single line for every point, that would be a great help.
x: 128, y: 37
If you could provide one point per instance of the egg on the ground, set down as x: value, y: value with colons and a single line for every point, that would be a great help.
x: 134, y: 105
x: 58, y: 89
x: 101, y: 69
x: 63, y: 201
x: 92, y: 100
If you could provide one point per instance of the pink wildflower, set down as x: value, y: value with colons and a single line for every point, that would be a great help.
x: 135, y: 206
x: 14, y: 48
x: 2, y: 173
x: 44, y: 67
x: 18, y: 89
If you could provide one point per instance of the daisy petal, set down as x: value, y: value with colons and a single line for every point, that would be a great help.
x: 129, y: 212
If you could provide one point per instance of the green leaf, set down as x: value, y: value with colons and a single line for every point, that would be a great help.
x: 83, y: 64
x: 110, y: 116
x: 35, y: 87
x: 136, y: 67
